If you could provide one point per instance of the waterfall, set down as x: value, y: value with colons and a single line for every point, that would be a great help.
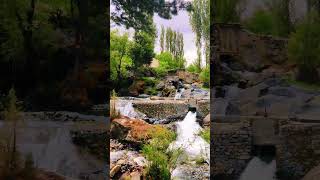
x: 258, y: 169
x: 52, y: 150
x: 179, y: 93
x: 125, y: 107
x: 188, y: 139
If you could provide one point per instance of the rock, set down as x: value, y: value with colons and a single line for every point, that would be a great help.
x: 169, y: 91
x: 160, y: 85
x: 115, y: 170
x: 132, y: 176
x: 219, y: 92
x: 279, y: 91
x: 207, y: 120
x: 141, y: 161
x: 187, y: 86
x: 143, y: 96
x: 232, y: 109
x: 313, y: 174
x: 134, y: 130
x: 188, y: 77
x: 136, y: 88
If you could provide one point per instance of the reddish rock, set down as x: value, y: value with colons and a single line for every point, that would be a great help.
x: 135, y: 130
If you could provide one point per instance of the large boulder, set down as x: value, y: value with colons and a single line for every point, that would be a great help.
x: 313, y: 174
x: 133, y: 130
x: 136, y: 88
x: 188, y: 77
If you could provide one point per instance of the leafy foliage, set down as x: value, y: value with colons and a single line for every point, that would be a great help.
x: 205, y: 134
x: 200, y: 23
x: 304, y: 48
x: 167, y: 62
x: 205, y: 77
x: 156, y: 152
x: 226, y: 11
x: 262, y: 22
x: 142, y: 50
x: 120, y: 59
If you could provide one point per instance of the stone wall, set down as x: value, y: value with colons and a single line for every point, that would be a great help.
x: 231, y: 149
x: 299, y: 149
x: 161, y: 108
x: 297, y: 144
x: 165, y: 108
x: 252, y: 50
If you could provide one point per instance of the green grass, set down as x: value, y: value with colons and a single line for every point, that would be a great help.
x: 161, y: 160
x: 205, y: 134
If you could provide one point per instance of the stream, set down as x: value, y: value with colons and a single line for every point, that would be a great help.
x: 259, y: 169
x: 188, y: 140
x: 52, y: 149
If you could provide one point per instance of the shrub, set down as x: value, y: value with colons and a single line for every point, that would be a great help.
x: 156, y: 152
x: 193, y: 68
x: 168, y: 62
x: 114, y: 113
x: 205, y: 134
x: 205, y: 77
x: 261, y: 23
x: 304, y: 48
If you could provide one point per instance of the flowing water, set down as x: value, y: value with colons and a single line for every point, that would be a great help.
x: 51, y: 146
x: 179, y: 93
x: 125, y: 108
x: 259, y: 169
x: 189, y: 140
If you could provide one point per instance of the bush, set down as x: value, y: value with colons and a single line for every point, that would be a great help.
x: 193, y: 68
x: 205, y: 77
x: 261, y: 23
x: 304, y: 48
x: 156, y: 152
x: 114, y: 113
x: 205, y: 134
x: 167, y: 62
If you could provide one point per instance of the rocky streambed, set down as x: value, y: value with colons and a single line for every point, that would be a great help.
x: 139, y: 115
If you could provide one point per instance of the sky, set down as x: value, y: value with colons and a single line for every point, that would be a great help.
x: 180, y: 23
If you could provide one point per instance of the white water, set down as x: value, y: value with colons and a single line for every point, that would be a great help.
x: 188, y: 139
x: 51, y: 146
x: 179, y: 93
x: 258, y: 169
x: 125, y: 107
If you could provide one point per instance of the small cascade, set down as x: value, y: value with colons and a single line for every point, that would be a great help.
x: 259, y: 169
x: 188, y: 139
x: 125, y: 107
x: 52, y: 150
x: 179, y: 93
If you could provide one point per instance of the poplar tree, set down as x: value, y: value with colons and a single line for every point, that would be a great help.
x: 162, y: 40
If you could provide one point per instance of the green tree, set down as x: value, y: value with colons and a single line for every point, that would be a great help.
x: 226, y: 11
x: 143, y: 10
x: 304, y: 48
x: 119, y: 56
x: 200, y: 23
x: 142, y: 49
x: 262, y: 22
x: 281, y: 10
x: 162, y: 40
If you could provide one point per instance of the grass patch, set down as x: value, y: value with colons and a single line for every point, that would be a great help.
x: 205, y: 134
x: 114, y: 113
x: 161, y: 160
